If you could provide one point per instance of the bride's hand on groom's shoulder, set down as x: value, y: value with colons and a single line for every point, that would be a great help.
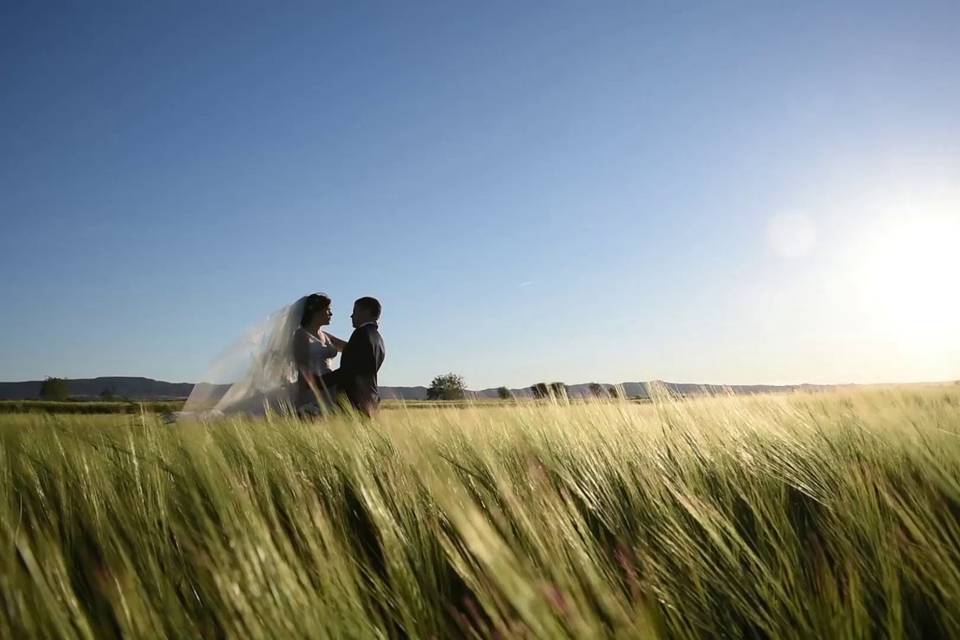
x: 337, y: 342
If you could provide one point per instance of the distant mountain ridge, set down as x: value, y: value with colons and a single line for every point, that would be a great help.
x: 138, y: 388
x: 643, y: 389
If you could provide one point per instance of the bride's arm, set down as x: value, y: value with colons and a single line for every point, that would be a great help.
x: 337, y: 342
x: 301, y: 350
x: 301, y: 357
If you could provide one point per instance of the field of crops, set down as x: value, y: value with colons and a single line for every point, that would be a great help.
x: 805, y: 516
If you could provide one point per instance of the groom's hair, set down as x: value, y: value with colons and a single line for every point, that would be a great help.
x: 371, y: 305
x: 314, y: 302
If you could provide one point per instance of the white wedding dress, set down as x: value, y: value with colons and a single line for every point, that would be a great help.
x: 320, y: 355
x: 257, y: 373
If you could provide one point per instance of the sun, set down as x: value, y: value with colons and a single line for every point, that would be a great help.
x: 906, y: 278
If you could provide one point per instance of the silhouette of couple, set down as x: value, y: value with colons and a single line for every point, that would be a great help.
x: 318, y: 384
x: 287, y: 361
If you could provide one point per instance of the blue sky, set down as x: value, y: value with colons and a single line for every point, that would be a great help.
x: 717, y: 192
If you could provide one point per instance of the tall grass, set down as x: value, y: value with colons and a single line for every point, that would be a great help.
x: 808, y: 516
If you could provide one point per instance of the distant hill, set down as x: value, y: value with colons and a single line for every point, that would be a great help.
x: 404, y: 393
x: 642, y: 389
x: 134, y: 388
x: 137, y: 388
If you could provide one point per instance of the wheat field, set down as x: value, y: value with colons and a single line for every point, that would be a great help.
x: 804, y: 516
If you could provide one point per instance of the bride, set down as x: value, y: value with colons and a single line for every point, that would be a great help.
x: 313, y: 353
x: 276, y: 366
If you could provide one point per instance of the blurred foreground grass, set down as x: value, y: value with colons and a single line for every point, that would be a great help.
x: 806, y: 516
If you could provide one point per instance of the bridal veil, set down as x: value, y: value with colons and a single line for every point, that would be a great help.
x: 256, y: 373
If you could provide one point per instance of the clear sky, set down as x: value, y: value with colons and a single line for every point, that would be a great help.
x: 722, y: 192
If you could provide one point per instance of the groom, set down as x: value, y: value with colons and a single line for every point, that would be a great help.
x: 361, y: 359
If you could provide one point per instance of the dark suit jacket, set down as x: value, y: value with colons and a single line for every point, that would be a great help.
x: 359, y: 364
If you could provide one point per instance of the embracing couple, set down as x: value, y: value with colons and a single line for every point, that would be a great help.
x: 319, y: 385
x: 286, y: 364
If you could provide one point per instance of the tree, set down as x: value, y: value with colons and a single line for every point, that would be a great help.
x: 616, y: 392
x: 55, y: 389
x: 449, y: 386
x: 503, y: 393
x: 596, y: 390
x: 558, y: 390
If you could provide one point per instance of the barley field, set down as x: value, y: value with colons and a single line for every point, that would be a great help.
x: 804, y: 516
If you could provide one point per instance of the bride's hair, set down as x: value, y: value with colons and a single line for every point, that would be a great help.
x: 312, y: 304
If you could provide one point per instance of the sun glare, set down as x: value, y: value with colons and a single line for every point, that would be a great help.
x: 906, y: 276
